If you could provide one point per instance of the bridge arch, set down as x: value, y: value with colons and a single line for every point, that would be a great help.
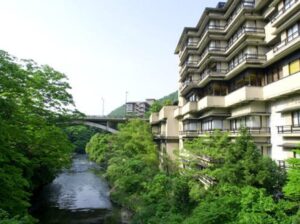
x: 96, y: 125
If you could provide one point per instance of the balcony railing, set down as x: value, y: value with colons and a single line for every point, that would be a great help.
x: 252, y: 130
x: 189, y: 83
x: 287, y: 41
x: 288, y: 129
x: 206, y: 180
x: 245, y: 4
x: 189, y: 132
x: 216, y: 48
x: 283, y: 10
x: 242, y: 31
x: 193, y: 63
x: 247, y: 57
x: 215, y: 27
x: 209, y: 72
x: 188, y: 44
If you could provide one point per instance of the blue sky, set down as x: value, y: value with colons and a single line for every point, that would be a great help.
x: 105, y: 47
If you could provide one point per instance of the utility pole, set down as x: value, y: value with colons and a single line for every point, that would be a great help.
x: 125, y: 109
x: 102, y: 106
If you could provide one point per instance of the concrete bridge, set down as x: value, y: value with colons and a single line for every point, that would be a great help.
x: 105, y: 123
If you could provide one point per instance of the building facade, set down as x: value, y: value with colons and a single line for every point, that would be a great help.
x: 138, y: 109
x: 240, y: 66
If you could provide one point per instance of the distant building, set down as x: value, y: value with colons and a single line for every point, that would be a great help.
x: 138, y: 109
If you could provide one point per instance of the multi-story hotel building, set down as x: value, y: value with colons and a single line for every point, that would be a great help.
x: 138, y: 109
x: 240, y: 66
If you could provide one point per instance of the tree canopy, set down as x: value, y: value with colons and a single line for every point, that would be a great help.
x: 33, y: 100
x: 247, y: 186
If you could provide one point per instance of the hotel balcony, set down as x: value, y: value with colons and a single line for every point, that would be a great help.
x: 206, y: 161
x: 234, y: 20
x: 189, y: 133
x: 189, y: 46
x: 206, y: 181
x: 187, y: 86
x: 247, y: 60
x: 208, y: 75
x: 244, y: 94
x: 189, y: 107
x: 254, y: 131
x: 159, y: 135
x: 239, y: 37
x: 177, y: 112
x: 187, y: 65
x: 289, y: 130
x: 284, y: 48
x: 154, y: 118
x: 283, y: 87
x: 219, y: 51
x: 286, y: 13
x: 211, y: 101
x: 163, y: 113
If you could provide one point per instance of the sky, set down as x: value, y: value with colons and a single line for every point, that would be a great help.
x: 105, y: 47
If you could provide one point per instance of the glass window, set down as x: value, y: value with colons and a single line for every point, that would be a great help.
x: 296, y: 118
x: 294, y: 66
x: 207, y: 125
x: 217, y: 124
x: 293, y: 32
x: 253, y: 122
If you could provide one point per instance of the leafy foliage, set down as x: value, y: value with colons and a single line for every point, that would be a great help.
x: 245, y: 190
x: 80, y: 135
x: 33, y: 149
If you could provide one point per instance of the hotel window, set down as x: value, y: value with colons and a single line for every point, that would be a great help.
x: 294, y: 67
x: 238, y: 123
x: 296, y: 118
x: 293, y: 32
x: 192, y: 97
x: 253, y: 121
x: 215, y: 89
x: 191, y: 125
x: 209, y: 125
x: 288, y: 3
x: 274, y: 74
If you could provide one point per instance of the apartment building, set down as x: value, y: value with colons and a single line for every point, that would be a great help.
x: 240, y: 66
x: 138, y: 109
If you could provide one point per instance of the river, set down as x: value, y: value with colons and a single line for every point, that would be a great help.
x: 76, y: 196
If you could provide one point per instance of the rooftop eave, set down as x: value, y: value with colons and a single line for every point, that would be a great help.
x: 183, y: 37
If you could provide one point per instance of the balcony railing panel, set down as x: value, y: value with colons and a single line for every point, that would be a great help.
x: 287, y: 41
x: 189, y: 83
x: 288, y: 129
x: 248, y: 58
x: 242, y: 31
x: 284, y: 9
x: 253, y: 130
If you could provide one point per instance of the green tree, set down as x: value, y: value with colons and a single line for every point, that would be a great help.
x: 33, y: 99
x: 244, y: 165
x: 155, y: 107
x: 80, y: 135
x: 292, y: 187
x: 99, y: 148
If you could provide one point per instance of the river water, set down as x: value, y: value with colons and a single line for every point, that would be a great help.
x: 76, y: 196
